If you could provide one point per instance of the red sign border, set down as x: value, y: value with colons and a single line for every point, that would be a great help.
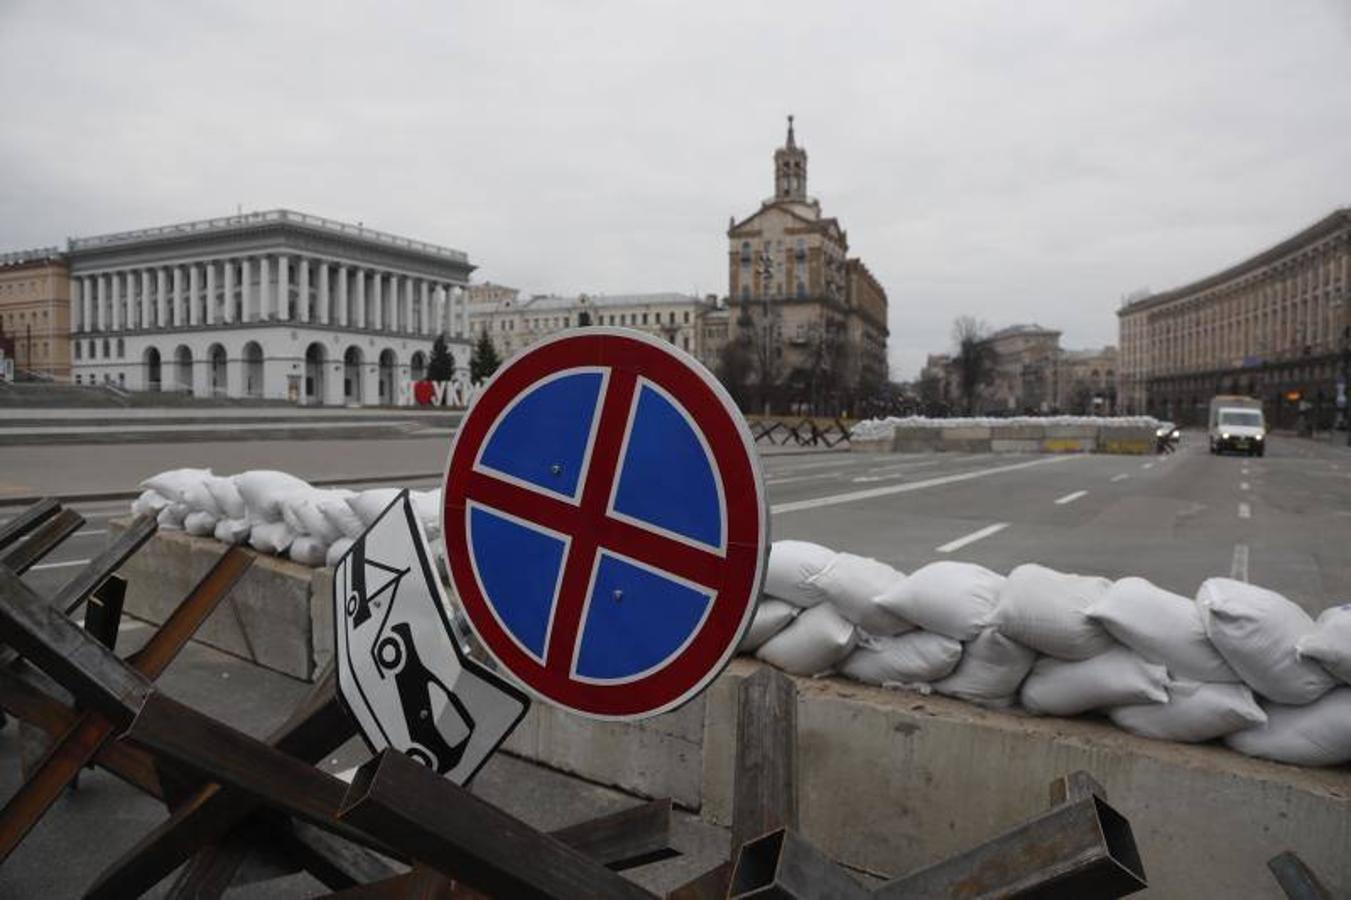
x: 747, y: 539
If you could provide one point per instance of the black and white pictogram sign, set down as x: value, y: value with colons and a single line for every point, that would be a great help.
x: 401, y: 673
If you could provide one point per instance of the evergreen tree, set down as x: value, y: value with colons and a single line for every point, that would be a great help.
x: 485, y: 361
x: 441, y: 367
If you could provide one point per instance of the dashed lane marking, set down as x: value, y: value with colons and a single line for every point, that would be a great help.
x: 1238, y: 569
x: 1122, y: 477
x: 1243, y: 485
x: 1069, y: 498
x: 974, y: 536
x: 1244, y: 511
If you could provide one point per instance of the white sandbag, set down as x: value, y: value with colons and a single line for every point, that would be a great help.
x: 369, y: 504
x: 232, y: 531
x: 308, y: 550
x: 200, y: 523
x: 814, y: 643
x: 263, y: 491
x: 1194, y: 712
x: 171, y: 517
x: 1044, y: 609
x: 339, y: 513
x: 1163, y: 627
x: 149, y: 503
x: 227, y: 497
x: 1318, y: 734
x: 337, y: 550
x: 1329, y: 644
x: 271, y: 537
x: 853, y: 585
x: 990, y: 670
x: 951, y: 598
x: 427, y: 507
x: 792, y: 566
x: 1256, y: 631
x: 173, y: 483
x: 1118, y: 677
x: 920, y: 657
x: 771, y: 617
x: 300, y: 511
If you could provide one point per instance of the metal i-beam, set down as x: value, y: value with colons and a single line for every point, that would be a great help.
x: 26, y: 521
x: 782, y: 866
x: 87, y: 736
x: 468, y: 839
x: 22, y: 557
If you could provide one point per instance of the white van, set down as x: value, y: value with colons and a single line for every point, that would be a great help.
x: 1236, y: 423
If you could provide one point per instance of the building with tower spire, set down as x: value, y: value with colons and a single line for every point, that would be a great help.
x: 810, y: 320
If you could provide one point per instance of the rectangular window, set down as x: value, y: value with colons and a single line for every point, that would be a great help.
x: 644, y: 318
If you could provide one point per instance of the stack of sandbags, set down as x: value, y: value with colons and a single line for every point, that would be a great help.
x: 264, y: 492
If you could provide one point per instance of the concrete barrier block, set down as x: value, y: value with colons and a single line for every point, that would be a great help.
x: 1071, y: 431
x: 321, y: 618
x: 1015, y: 445
x: 1019, y: 432
x: 268, y: 617
x: 966, y: 433
x: 873, y: 445
x: 1068, y: 444
x: 966, y: 445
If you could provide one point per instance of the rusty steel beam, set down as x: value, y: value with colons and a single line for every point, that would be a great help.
x: 226, y: 755
x: 103, y: 615
x: 316, y: 727
x: 624, y: 840
x: 26, y: 521
x: 86, y: 737
x: 782, y: 865
x: 87, y: 580
x: 22, y: 557
x: 35, y: 707
x: 1082, y: 848
x: 442, y: 825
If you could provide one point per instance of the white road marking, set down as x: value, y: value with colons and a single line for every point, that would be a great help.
x: 792, y: 478
x: 1070, y: 498
x: 973, y: 537
x: 1122, y: 477
x: 866, y: 479
x: 1238, y: 569
x: 871, y: 493
x: 1243, y: 485
x: 1244, y: 511
x: 1147, y: 466
x: 60, y: 565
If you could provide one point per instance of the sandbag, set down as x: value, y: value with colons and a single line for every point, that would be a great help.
x: 300, y: 511
x: 1329, y: 644
x: 227, y: 497
x: 369, y: 504
x: 1044, y: 609
x: 263, y: 491
x: 816, y: 641
x: 1194, y: 712
x: 173, y: 483
x: 149, y: 503
x: 1118, y: 677
x: 271, y: 537
x: 232, y: 531
x: 954, y: 599
x: 1318, y: 734
x: 200, y: 523
x: 308, y: 550
x: 427, y: 507
x: 917, y: 658
x: 792, y: 566
x: 340, y: 515
x: 337, y: 550
x: 853, y: 585
x: 1163, y: 627
x: 170, y: 518
x: 1256, y: 631
x: 990, y: 670
x: 771, y: 617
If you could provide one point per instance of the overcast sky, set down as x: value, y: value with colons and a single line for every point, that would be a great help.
x: 1015, y: 161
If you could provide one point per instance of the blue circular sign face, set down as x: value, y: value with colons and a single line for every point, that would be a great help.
x: 605, y: 522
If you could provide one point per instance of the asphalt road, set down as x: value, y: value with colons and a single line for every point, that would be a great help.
x: 1282, y: 521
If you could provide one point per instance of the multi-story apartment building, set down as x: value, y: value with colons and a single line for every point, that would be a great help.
x: 35, y: 312
x: 1274, y: 326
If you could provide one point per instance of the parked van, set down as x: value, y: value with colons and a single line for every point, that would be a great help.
x: 1236, y: 423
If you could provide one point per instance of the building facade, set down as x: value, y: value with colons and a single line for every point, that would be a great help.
x: 271, y: 305
x: 817, y: 318
x: 1275, y: 326
x: 1026, y: 370
x: 512, y: 323
x: 35, y: 312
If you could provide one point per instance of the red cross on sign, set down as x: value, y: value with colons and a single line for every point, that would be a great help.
x: 605, y: 522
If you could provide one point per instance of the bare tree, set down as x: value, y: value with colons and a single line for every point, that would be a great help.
x: 973, y: 360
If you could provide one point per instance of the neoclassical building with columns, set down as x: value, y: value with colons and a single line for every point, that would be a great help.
x: 272, y: 305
